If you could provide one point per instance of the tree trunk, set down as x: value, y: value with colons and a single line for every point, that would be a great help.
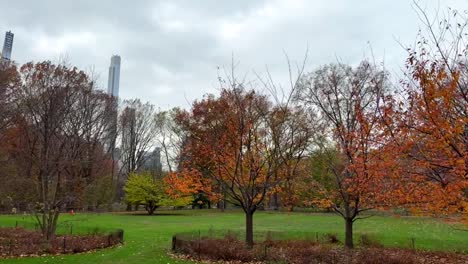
x: 349, y: 233
x: 49, y: 222
x: 150, y: 210
x: 275, y: 202
x: 249, y: 228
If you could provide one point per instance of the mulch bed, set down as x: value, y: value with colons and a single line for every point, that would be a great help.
x: 230, y: 250
x: 19, y: 242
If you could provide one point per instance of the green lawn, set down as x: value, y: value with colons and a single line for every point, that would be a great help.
x: 148, y: 238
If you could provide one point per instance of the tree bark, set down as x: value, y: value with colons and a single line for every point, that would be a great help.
x: 275, y: 202
x: 150, y: 211
x: 150, y: 208
x: 349, y: 233
x: 249, y: 228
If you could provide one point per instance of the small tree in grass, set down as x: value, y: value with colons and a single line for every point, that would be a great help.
x: 142, y: 188
x: 352, y: 101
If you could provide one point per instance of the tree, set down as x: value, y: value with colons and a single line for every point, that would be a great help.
x: 171, y: 137
x: 143, y: 189
x: 138, y: 132
x: 9, y: 79
x: 229, y: 151
x: 292, y: 130
x: 90, y: 123
x: 320, y: 183
x: 99, y: 192
x: 137, y: 128
x: 17, y: 189
x: 51, y: 146
x: 431, y: 134
x: 350, y: 101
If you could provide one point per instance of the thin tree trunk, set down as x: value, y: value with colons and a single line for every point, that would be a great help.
x: 275, y: 202
x: 150, y: 210
x: 349, y: 233
x: 249, y: 228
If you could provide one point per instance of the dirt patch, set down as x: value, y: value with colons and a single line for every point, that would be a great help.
x: 231, y: 250
x: 19, y: 242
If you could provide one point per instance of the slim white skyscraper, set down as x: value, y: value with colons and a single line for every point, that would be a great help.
x: 7, y: 45
x: 114, y: 76
x: 113, y: 90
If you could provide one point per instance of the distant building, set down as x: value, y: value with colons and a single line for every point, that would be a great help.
x: 114, y: 76
x: 152, y: 162
x: 7, y: 45
x: 113, y: 89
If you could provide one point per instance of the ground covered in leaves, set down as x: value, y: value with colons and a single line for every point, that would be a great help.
x: 231, y: 250
x: 18, y: 242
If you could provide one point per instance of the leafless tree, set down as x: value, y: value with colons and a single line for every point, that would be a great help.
x: 170, y: 137
x: 138, y: 135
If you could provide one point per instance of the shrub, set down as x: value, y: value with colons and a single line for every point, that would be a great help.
x: 332, y: 238
x: 232, y: 250
x: 367, y: 240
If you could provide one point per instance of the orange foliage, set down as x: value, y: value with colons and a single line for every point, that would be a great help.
x: 430, y: 138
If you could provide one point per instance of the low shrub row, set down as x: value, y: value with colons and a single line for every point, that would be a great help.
x: 232, y: 250
x: 19, y: 242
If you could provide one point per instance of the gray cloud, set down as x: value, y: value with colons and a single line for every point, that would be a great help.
x: 171, y: 50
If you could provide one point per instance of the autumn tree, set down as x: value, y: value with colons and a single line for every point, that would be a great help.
x: 230, y: 149
x: 17, y: 189
x: 292, y: 130
x: 144, y: 189
x: 8, y: 80
x: 90, y: 121
x: 319, y: 183
x: 99, y: 192
x: 349, y: 100
x: 54, y: 119
x: 431, y: 134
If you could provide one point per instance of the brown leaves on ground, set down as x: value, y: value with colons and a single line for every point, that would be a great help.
x: 231, y: 250
x: 18, y: 242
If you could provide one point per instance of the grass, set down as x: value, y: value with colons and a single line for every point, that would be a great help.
x: 148, y: 238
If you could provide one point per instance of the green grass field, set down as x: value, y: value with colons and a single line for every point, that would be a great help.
x: 148, y: 238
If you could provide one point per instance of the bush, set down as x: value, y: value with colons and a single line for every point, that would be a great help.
x: 16, y: 242
x: 368, y: 241
x: 231, y: 249
x: 332, y: 238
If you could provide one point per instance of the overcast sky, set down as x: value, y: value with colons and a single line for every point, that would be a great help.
x: 171, y: 50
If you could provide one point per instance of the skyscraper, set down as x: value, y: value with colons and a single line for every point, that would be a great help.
x: 114, y: 76
x: 113, y: 90
x: 7, y: 45
x: 152, y: 162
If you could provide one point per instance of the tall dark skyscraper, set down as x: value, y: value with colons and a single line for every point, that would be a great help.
x: 7, y: 45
